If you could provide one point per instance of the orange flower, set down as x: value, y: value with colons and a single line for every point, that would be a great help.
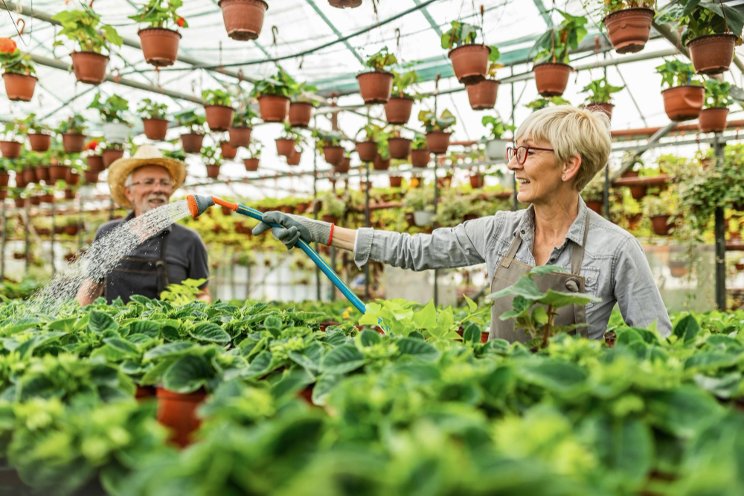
x: 7, y: 45
x: 91, y: 145
x: 180, y: 21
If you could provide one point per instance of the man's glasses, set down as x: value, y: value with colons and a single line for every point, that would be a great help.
x: 520, y: 152
x: 150, y: 183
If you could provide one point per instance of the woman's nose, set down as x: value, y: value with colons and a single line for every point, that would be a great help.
x: 513, y: 164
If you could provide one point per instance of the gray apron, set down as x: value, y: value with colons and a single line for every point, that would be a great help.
x: 509, y: 271
x: 146, y: 276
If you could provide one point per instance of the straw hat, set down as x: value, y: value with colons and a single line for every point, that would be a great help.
x: 120, y: 170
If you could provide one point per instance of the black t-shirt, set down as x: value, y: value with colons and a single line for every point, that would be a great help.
x: 185, y: 257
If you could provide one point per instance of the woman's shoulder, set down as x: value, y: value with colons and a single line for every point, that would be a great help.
x: 605, y: 235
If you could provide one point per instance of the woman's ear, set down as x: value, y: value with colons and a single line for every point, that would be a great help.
x: 571, y: 168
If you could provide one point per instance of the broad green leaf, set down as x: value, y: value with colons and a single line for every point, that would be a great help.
x: 324, y: 386
x: 683, y: 411
x: 540, y: 315
x: 554, y: 375
x: 687, y: 328
x: 209, y: 332
x: 342, y: 359
x: 67, y: 324
x: 626, y: 446
x: 273, y: 323
x: 100, y: 322
x: 168, y: 349
x: 148, y: 327
x: 259, y: 365
x: 712, y: 361
x: 418, y: 348
x: 546, y: 269
x: 187, y: 374
x: 560, y: 299
x: 122, y: 346
x: 472, y: 306
x: 426, y: 318
x: 309, y: 357
x: 368, y: 338
x: 471, y: 333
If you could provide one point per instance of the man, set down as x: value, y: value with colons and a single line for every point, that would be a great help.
x: 143, y: 183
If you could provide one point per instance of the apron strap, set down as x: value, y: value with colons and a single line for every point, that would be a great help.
x: 577, y: 251
x: 509, y: 257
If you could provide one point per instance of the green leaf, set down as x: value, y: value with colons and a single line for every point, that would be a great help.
x: 209, y: 332
x: 687, y: 328
x: 168, y: 350
x: 309, y: 357
x: 560, y: 299
x: 100, y: 322
x: 148, y: 327
x: 684, y: 411
x: 259, y: 365
x: 472, y: 306
x: 324, y: 386
x: 342, y: 359
x: 626, y: 446
x: 122, y: 346
x: 426, y: 318
x: 188, y: 374
x: 416, y: 347
x: 524, y: 287
x: 554, y: 375
x: 369, y: 338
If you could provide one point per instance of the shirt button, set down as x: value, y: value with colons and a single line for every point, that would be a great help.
x: 522, y: 231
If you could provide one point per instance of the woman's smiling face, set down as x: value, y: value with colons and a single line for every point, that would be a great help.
x: 539, y: 176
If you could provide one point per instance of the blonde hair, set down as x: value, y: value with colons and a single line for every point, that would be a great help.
x: 572, y: 131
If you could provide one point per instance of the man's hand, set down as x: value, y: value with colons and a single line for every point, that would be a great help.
x: 289, y: 229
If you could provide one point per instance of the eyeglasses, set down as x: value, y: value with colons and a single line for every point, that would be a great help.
x: 521, y: 152
x: 150, y: 183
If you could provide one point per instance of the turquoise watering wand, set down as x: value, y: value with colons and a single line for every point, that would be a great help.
x: 198, y: 204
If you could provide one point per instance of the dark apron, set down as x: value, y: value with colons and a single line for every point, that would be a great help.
x: 509, y: 271
x: 146, y: 276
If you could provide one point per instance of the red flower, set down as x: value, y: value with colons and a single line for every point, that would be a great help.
x: 181, y: 22
x: 91, y: 145
x: 7, y: 45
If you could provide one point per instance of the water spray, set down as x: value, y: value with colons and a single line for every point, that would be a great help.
x: 198, y: 204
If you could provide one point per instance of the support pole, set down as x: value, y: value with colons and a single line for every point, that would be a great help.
x: 720, y: 233
x: 436, y: 202
x: 52, y: 238
x: 318, y: 295
x: 27, y: 232
x: 515, y: 202
x: 367, y: 223
x: 3, y: 240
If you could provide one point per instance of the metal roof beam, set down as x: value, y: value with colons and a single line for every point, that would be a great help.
x: 429, y: 19
x: 544, y: 12
x: 336, y: 31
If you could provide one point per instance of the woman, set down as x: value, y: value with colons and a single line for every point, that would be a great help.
x: 558, y: 151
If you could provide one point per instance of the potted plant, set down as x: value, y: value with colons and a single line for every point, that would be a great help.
x: 251, y: 163
x: 660, y: 209
x: 19, y: 73
x: 398, y: 108
x: 332, y: 208
x: 193, y: 139
x: 366, y: 147
x: 301, y: 107
x: 717, y: 100
x: 437, y: 129
x: 344, y: 166
x: 39, y: 137
x: 72, y: 130
x: 469, y: 59
x: 421, y: 202
x: 684, y: 95
x: 712, y: 28
x: 345, y: 4
x: 482, y: 94
x: 112, y: 112
x: 228, y: 151
x: 273, y: 96
x: 600, y: 95
x: 329, y: 143
x: 382, y: 157
x: 154, y: 118
x: 551, y: 60
x: 375, y: 86
x: 495, y: 144
x: 628, y: 23
x: 398, y: 146
x: 111, y: 152
x: 84, y: 28
x: 295, y: 156
x: 541, y: 102
x: 287, y: 142
x: 93, y: 156
x: 242, y: 125
x: 159, y: 42
x: 11, y: 143
x: 212, y: 159
x: 419, y: 151
x: 593, y: 194
x: 243, y: 18
x: 217, y: 109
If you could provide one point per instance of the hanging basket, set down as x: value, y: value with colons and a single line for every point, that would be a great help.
x: 19, y: 87
x: 57, y: 172
x: 239, y: 136
x: 229, y: 152
x: 10, y: 149
x: 398, y: 110
x: 477, y: 181
x: 399, y: 147
x: 469, y: 62
x: 73, y: 142
x: 95, y: 163
x: 111, y: 156
x: 91, y: 177
x: 219, y: 117
x: 41, y: 173
x: 345, y: 4
x: 300, y: 114
x: 496, y: 149
x: 395, y: 181
x: 367, y: 150
x: 294, y: 158
x: 273, y: 108
x: 89, y: 67
x: 420, y: 158
x: 381, y: 163
x: 629, y: 29
x: 713, y: 120
x: 243, y: 18
x: 39, y: 142
x: 213, y: 171
x: 712, y: 54
x: 115, y: 132
x: 155, y: 129
x: 285, y: 146
x: 551, y: 79
x: 438, y: 142
x: 251, y: 164
x: 159, y: 45
x: 177, y: 412
x: 482, y: 95
x: 192, y: 142
x: 682, y: 103
x: 343, y: 166
x: 333, y: 154
x: 375, y: 86
x: 660, y: 225
x: 605, y: 108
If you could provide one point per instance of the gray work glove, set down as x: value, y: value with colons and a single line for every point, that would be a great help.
x: 293, y: 228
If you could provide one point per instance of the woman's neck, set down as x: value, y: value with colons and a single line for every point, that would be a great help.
x: 552, y: 221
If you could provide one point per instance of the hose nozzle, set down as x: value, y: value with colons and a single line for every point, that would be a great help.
x: 198, y: 204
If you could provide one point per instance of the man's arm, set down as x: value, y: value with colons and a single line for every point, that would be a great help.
x: 88, y: 292
x: 204, y: 295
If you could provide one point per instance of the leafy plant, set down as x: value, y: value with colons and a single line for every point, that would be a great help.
x: 611, y: 6
x: 112, y: 109
x: 419, y: 200
x: 294, y: 134
x: 255, y: 149
x: 404, y: 82
x: 557, y: 42
x: 600, y: 91
x: 665, y: 203
x: 300, y: 91
x: 542, y: 102
x: 461, y: 34
x: 149, y: 109
x: 717, y: 93
x: 211, y: 155
x: 13, y: 61
x: 191, y: 120
x: 15, y: 129
x: 84, y: 28
x: 33, y: 125
x: 703, y: 17
x: 282, y: 84
x: 419, y: 142
x: 380, y: 60
x: 216, y: 97
x: 160, y: 14
x: 183, y: 293
x: 332, y: 205
x: 243, y: 116
x: 496, y: 127
x: 75, y: 124
x: 325, y: 138
x: 677, y: 73
x: 431, y: 122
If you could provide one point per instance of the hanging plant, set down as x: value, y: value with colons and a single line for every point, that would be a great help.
x: 495, y: 144
x: 39, y: 137
x: 11, y: 143
x: 212, y: 159
x: 376, y: 86
x: 113, y: 114
x: 628, y: 23
x: 160, y: 40
x: 437, y: 129
x: 243, y: 18
x: 345, y: 4
x: 469, y: 59
x: 72, y: 130
x: 301, y: 108
x: 552, y: 57
x: 217, y: 108
x: 600, y: 95
x: 329, y: 144
x: 273, y: 96
x: 717, y: 100
x: 419, y: 151
x: 683, y: 98
x: 399, y: 106
x: 154, y: 118
x: 242, y: 125
x: 194, y: 137
x: 19, y: 72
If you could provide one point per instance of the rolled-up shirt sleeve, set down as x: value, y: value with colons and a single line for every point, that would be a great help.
x: 447, y: 247
x: 635, y: 290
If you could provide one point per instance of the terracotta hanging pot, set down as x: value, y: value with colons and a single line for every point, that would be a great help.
x: 660, y: 225
x: 90, y: 177
x: 438, y: 142
x: 57, y: 172
x: 482, y: 95
x: 399, y: 147
x: 300, y: 114
x: 469, y: 62
x: 712, y: 54
x: 343, y: 167
x: 375, y: 86
x: 159, y: 45
x: 192, y: 142
x: 551, y: 79
x: 395, y: 181
x: 41, y: 172
x: 95, y: 163
x: 19, y: 87
x: 345, y: 4
x: 155, y: 129
x: 243, y: 18
x: 10, y: 149
x: 177, y: 412
x: 398, y: 110
x: 273, y: 108
x: 477, y: 181
x: 72, y: 177
x: 4, y: 179
x: 713, y: 120
x: 251, y: 164
x: 381, y: 163
x: 111, y: 156
x: 294, y: 158
x: 629, y: 29
x: 89, y: 67
x: 229, y: 152
x: 219, y: 117
x: 682, y: 103
x: 213, y: 171
x: 420, y: 158
x: 333, y: 154
x: 39, y: 142
x: 605, y: 108
x: 367, y: 150
x: 73, y: 142
x: 239, y: 136
x: 28, y: 175
x: 284, y: 146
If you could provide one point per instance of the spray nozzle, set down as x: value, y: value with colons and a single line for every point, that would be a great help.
x: 198, y: 204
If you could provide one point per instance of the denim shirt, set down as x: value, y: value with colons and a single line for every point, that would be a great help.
x: 614, y: 266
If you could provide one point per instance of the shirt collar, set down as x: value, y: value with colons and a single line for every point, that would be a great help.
x: 526, y: 227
